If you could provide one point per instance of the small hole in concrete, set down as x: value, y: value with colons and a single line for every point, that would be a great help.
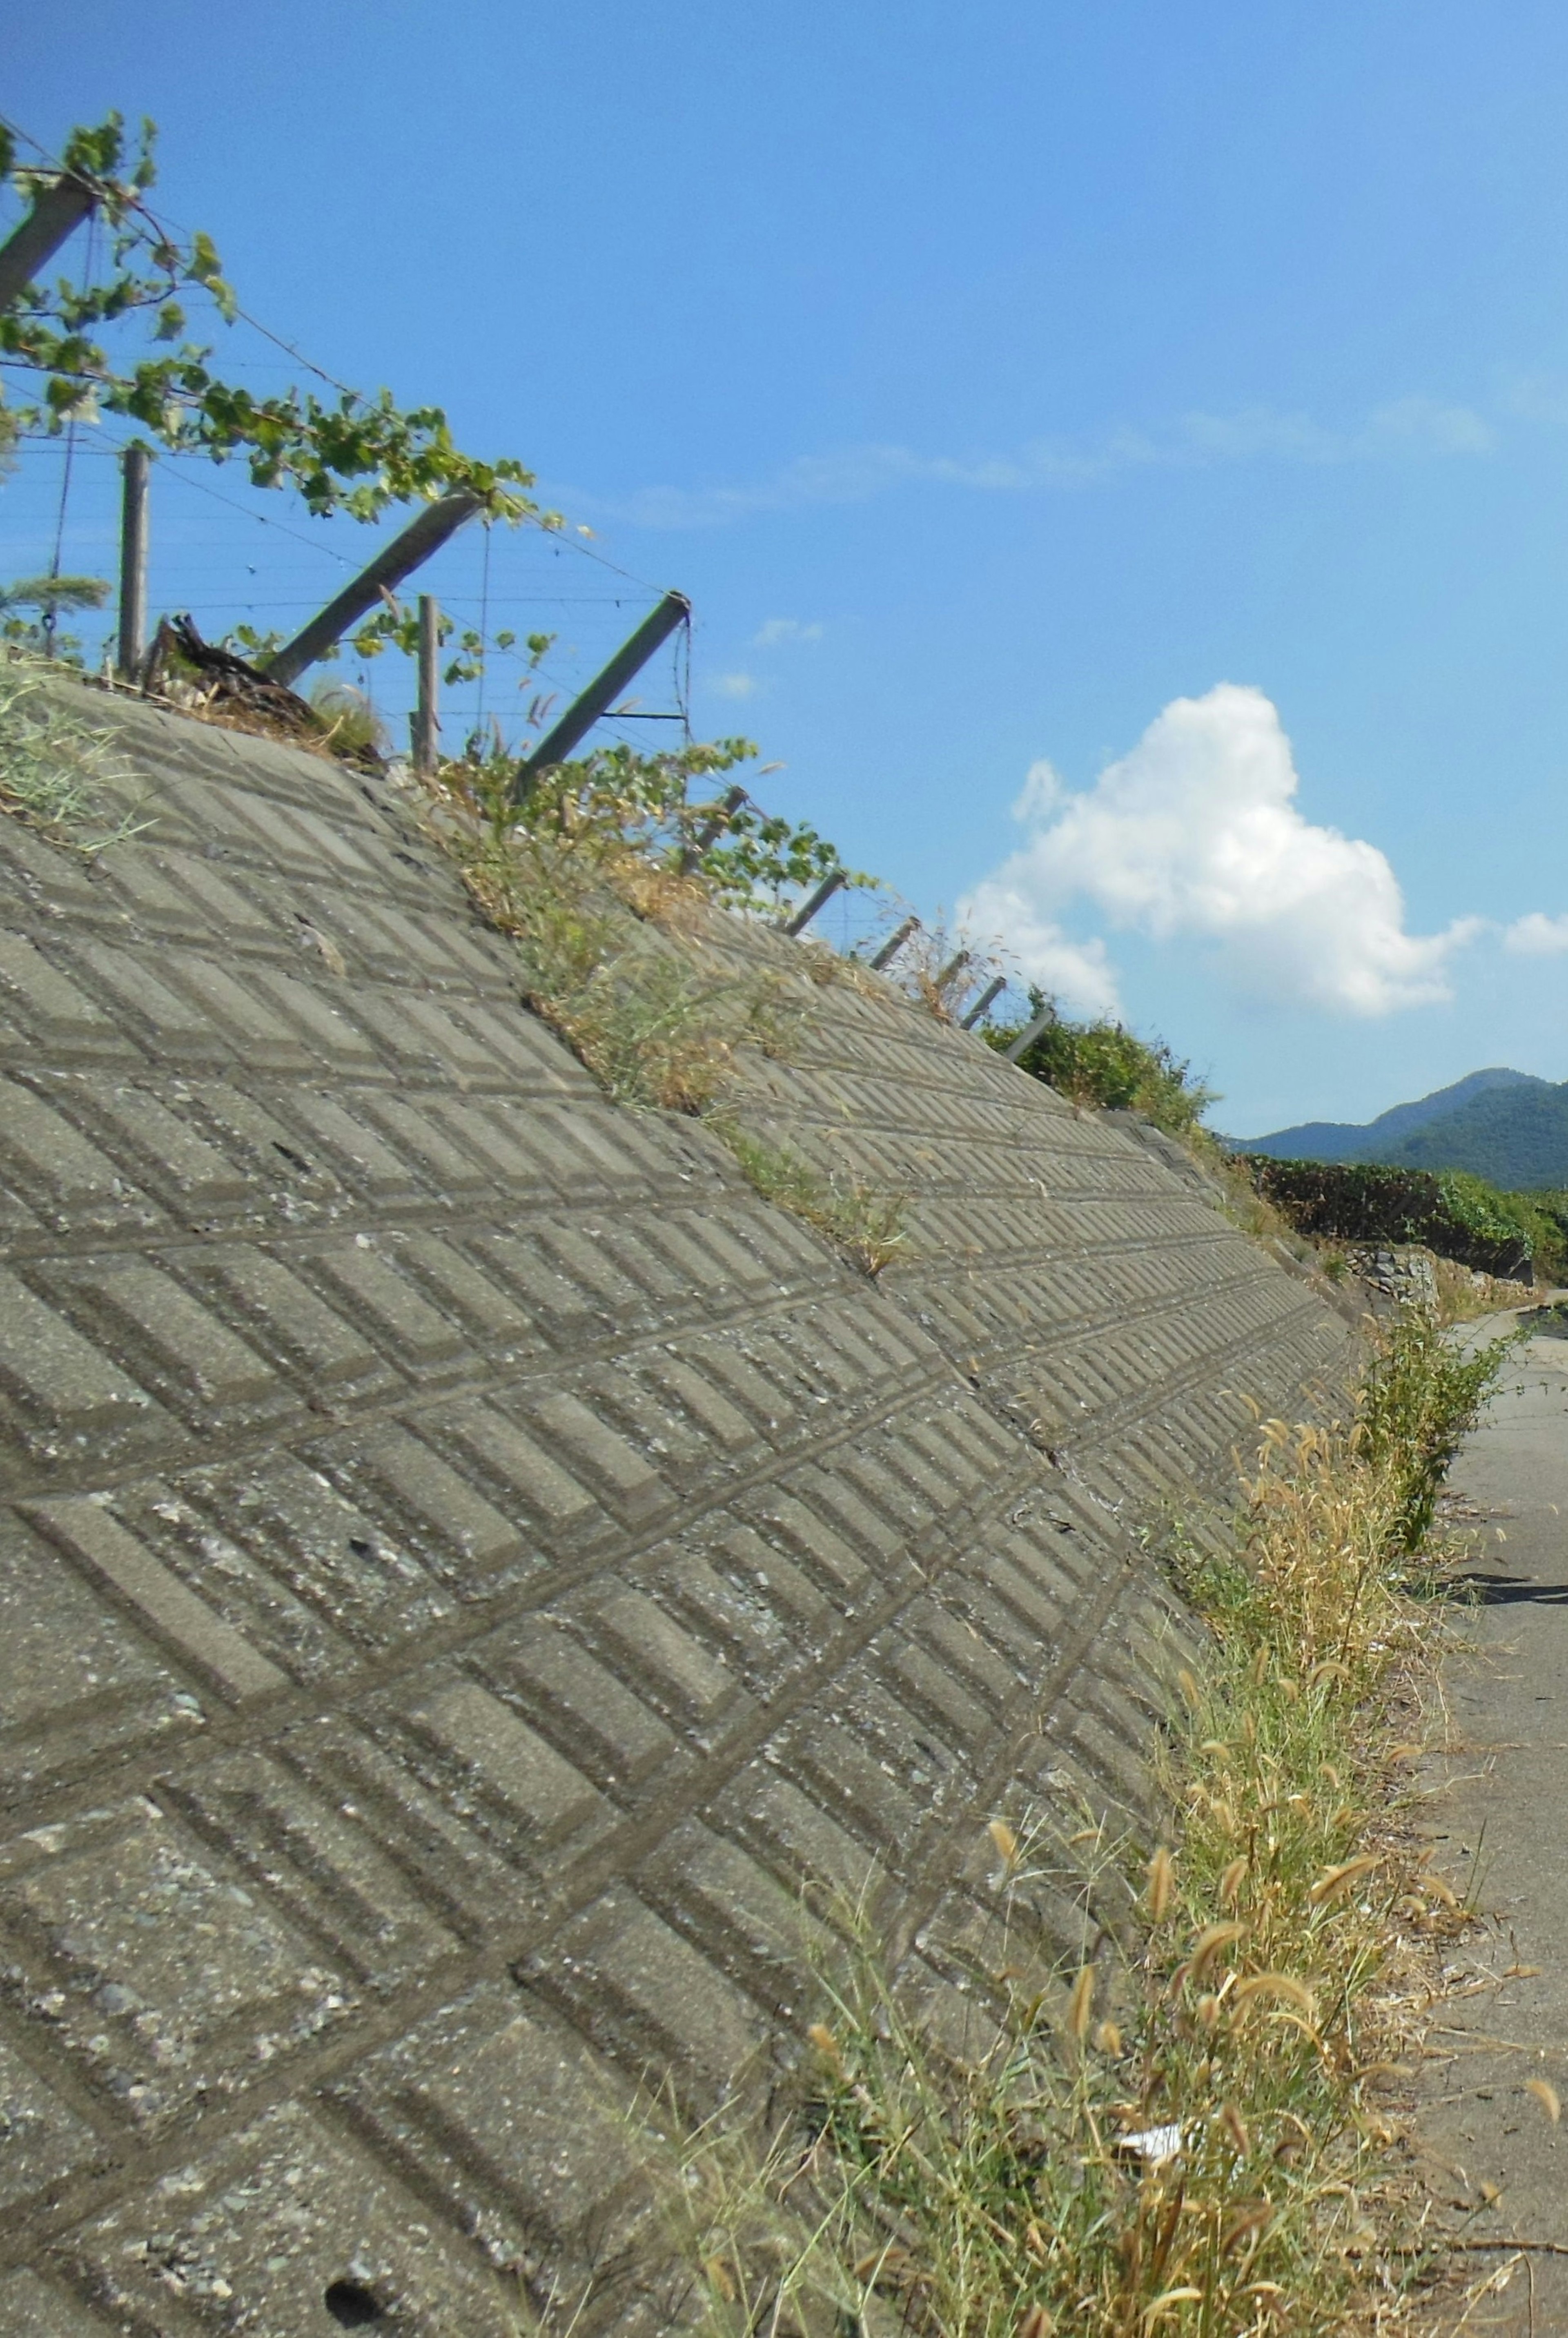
x: 353, y: 2306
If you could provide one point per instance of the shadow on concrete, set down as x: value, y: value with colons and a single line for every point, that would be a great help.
x: 1513, y: 1591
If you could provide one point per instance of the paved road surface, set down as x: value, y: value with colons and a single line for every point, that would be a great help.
x: 1499, y: 1811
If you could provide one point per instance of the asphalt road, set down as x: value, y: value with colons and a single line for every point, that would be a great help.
x: 1494, y: 2164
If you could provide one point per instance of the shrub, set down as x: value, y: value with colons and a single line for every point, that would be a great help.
x: 1104, y: 1065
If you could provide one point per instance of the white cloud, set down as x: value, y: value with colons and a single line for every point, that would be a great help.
x: 776, y: 630
x: 733, y: 685
x: 1406, y: 428
x: 1043, y: 790
x: 1007, y: 920
x: 1538, y: 936
x: 1196, y: 835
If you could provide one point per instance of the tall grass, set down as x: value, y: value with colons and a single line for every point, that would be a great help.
x: 1179, y: 2130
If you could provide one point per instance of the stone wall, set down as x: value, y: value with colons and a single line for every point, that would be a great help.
x: 469, y: 1563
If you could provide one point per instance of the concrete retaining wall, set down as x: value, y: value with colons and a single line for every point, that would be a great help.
x: 468, y: 1561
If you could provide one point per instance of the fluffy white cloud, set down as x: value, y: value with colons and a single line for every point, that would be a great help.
x: 733, y: 685
x: 1538, y: 936
x: 1196, y: 835
x: 776, y: 631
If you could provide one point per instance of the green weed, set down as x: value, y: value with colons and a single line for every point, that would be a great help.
x: 866, y: 1223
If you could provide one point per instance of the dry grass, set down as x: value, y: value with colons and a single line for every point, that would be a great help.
x: 57, y: 773
x: 1182, y: 2130
x: 1462, y: 1297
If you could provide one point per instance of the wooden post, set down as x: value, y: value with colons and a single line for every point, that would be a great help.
x: 406, y: 553
x: 954, y: 966
x: 894, y: 944
x: 136, y: 465
x: 816, y: 900
x: 57, y: 210
x: 1025, y: 1039
x: 427, y: 720
x: 712, y: 829
x: 582, y: 714
x: 988, y: 997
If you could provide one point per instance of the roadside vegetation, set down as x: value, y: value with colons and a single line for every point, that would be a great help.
x: 1458, y: 1216
x: 1102, y: 1065
x: 1186, y: 2127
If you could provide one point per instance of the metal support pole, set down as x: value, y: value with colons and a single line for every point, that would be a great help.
x: 428, y: 717
x: 954, y: 966
x: 1025, y: 1039
x: 988, y: 997
x: 816, y: 900
x: 582, y: 714
x: 406, y: 551
x: 136, y: 465
x: 57, y: 210
x: 894, y: 944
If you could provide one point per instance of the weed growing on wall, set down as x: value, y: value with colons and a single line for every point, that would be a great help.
x: 868, y: 1225
x: 57, y: 773
x: 1181, y: 2130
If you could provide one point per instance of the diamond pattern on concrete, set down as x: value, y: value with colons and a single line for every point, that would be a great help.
x: 474, y: 1576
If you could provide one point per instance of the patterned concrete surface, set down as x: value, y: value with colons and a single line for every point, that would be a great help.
x: 469, y: 1562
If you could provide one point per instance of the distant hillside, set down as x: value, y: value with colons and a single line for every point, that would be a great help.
x: 1340, y: 1140
x: 1515, y: 1137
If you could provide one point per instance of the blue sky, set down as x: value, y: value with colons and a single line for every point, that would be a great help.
x: 993, y: 380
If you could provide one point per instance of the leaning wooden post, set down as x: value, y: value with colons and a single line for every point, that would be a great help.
x: 1025, y: 1039
x: 989, y: 998
x: 816, y: 900
x: 427, y: 718
x: 582, y: 714
x: 58, y: 209
x: 894, y: 944
x: 424, y: 534
x: 136, y: 465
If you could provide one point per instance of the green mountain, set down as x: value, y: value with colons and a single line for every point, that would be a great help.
x: 1515, y: 1137
x: 1340, y: 1140
x: 1508, y: 1127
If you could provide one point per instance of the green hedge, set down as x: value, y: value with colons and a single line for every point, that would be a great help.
x: 1457, y: 1215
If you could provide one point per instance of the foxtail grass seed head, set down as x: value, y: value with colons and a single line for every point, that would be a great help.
x: 1230, y: 1882
x: 826, y: 2045
x: 1546, y: 2095
x: 1284, y: 1988
x: 1211, y: 1940
x: 1081, y: 2004
x: 1258, y: 1672
x: 1207, y: 2010
x: 1335, y: 1881
x: 1161, y: 1883
x: 1036, y: 2324
x: 1107, y: 2040
x: 1189, y: 1688
x: 1006, y: 1843
x: 1235, y: 2127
